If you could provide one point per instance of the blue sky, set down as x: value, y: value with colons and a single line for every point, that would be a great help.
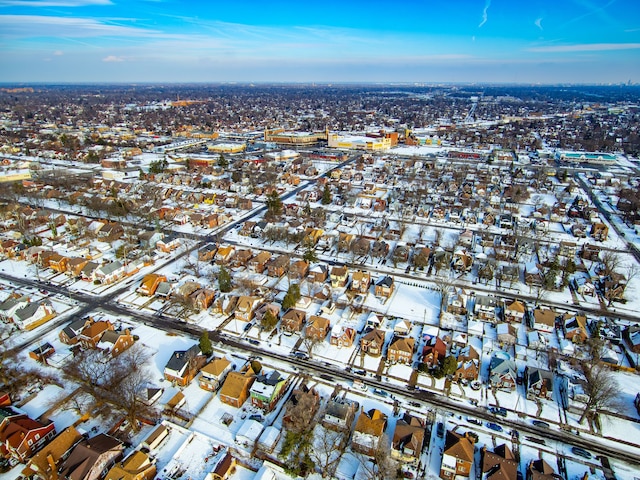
x: 523, y: 41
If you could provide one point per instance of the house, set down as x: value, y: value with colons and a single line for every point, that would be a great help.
x: 109, y: 272
x: 368, y: 431
x: 360, y: 282
x: 155, y: 438
x: 384, y: 286
x: 567, y: 249
x: 507, y: 334
x: 75, y: 266
x: 278, y: 266
x: 213, y: 374
x: 43, y: 465
x: 544, y: 319
x: 201, y: 298
x: 69, y: 335
x: 269, y: 439
x: 137, y: 466
x: 540, y: 470
x: 58, y: 263
x: 150, y: 284
x: 462, y: 261
x: 224, y: 254
x: 299, y: 269
x: 20, y: 436
x: 33, y: 315
x: 258, y: 263
x: 434, y: 351
x: 631, y: 335
x: 268, y: 389
x: 248, y: 434
x: 402, y: 328
x: 150, y: 394
x: 468, y: 364
x: 408, y: 439
x: 501, y: 464
x: 115, y: 342
x: 339, y: 276
x: 42, y: 352
x: 339, y: 413
x: 401, y: 350
x: 457, y: 456
x: 502, y: 372
x: 168, y: 244
x: 91, y: 334
x: 175, y: 403
x: 87, y: 273
x: 11, y: 304
x: 318, y: 273
x: 149, y: 239
x: 235, y: 389
x: 224, y: 466
x: 372, y: 343
x: 245, y: 308
x: 575, y: 328
x: 208, y: 252
x: 90, y: 458
x: 539, y: 383
x: 485, y: 308
x: 317, y: 328
x: 599, y: 231
x: 183, y: 366
x: 515, y: 312
x: 342, y: 335
x: 293, y: 320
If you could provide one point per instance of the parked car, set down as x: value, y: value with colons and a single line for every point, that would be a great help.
x: 474, y: 421
x: 535, y: 440
x: 254, y: 342
x: 256, y: 417
x: 360, y: 372
x: 581, y: 452
x: 498, y: 411
x: 301, y: 355
x: 494, y: 426
x: 379, y: 392
x: 540, y: 423
x: 440, y: 429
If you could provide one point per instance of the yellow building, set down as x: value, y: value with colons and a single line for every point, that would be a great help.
x: 353, y: 142
x: 227, y: 147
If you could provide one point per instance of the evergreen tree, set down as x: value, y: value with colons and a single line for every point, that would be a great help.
x: 205, y: 344
x: 326, y: 195
x: 292, y: 296
x: 224, y: 280
x: 223, y: 162
x: 274, y: 204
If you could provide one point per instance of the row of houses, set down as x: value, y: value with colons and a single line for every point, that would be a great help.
x: 25, y: 314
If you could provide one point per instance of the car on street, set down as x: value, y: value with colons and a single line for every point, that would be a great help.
x: 440, y: 429
x: 494, y: 426
x: 254, y: 342
x: 539, y: 441
x: 581, y: 452
x: 360, y: 372
x: 498, y: 411
x: 379, y: 392
x: 474, y: 421
x: 540, y: 423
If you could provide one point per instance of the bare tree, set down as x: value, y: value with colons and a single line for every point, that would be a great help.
x: 381, y: 466
x: 114, y: 383
x: 601, y: 388
x: 610, y: 261
x: 310, y: 342
x: 328, y: 448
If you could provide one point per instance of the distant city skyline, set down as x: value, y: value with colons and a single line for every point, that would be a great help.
x: 484, y: 41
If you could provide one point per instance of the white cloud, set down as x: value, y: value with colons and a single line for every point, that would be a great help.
x: 485, y: 15
x: 58, y: 53
x: 585, y: 47
x: 538, y: 23
x: 53, y: 3
x: 49, y: 26
x: 112, y: 58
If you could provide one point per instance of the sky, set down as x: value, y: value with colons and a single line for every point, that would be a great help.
x: 427, y: 41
